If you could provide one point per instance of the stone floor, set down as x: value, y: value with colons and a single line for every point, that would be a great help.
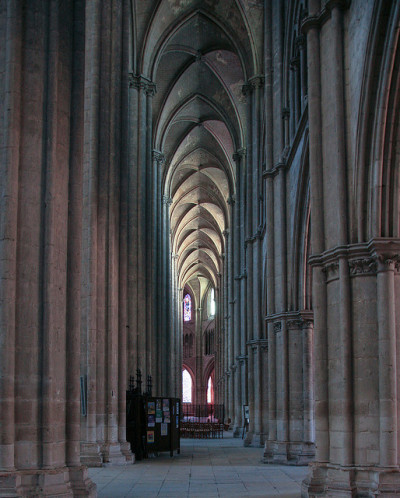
x: 206, y: 468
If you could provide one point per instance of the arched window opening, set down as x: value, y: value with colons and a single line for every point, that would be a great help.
x: 187, y: 308
x: 212, y: 303
x: 186, y: 387
x: 210, y: 391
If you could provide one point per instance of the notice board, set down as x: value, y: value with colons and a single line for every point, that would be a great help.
x: 153, y: 424
x: 162, y: 420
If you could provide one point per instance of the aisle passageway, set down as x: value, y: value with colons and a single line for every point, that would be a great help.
x: 206, y: 468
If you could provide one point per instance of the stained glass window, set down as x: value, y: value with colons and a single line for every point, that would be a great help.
x: 187, y: 308
x: 186, y: 387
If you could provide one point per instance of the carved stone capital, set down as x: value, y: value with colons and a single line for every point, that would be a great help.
x: 239, y: 155
x: 150, y: 90
x: 141, y: 83
x: 270, y: 173
x: 158, y: 157
x: 331, y: 270
x: 241, y: 358
x: 252, y: 84
x: 258, y: 345
x: 307, y: 324
x: 388, y: 263
x: 166, y: 200
x: 277, y: 327
x: 386, y: 251
x: 247, y: 89
x: 316, y: 21
x: 363, y: 266
x: 256, y: 81
x: 295, y: 324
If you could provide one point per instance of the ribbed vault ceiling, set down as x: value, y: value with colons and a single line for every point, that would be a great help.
x: 203, y: 54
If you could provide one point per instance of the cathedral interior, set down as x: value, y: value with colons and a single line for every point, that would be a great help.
x: 203, y: 190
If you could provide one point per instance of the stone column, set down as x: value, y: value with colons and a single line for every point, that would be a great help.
x: 123, y: 321
x: 237, y: 264
x: 279, y: 288
x: 145, y: 89
x: 228, y: 294
x: 316, y: 194
x: 175, y: 382
x: 157, y: 258
x: 114, y: 451
x: 388, y: 406
x: 308, y: 384
x: 251, y: 352
x: 74, y: 263
x: 282, y: 382
x: 40, y: 173
x: 247, y: 296
x: 272, y: 424
x: 268, y: 174
x: 255, y: 334
x: 132, y: 223
x: 9, y: 167
x: 165, y: 328
x: 90, y: 450
x: 199, y: 396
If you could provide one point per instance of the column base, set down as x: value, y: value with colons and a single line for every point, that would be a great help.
x: 254, y: 439
x: 91, y: 455
x: 276, y: 452
x: 126, y: 450
x: 237, y: 431
x: 81, y: 483
x: 289, y: 453
x: 331, y: 480
x: 60, y: 483
x: 113, y: 454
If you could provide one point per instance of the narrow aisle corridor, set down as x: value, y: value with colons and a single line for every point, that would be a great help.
x: 207, y: 468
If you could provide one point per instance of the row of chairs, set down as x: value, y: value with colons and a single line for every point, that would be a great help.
x: 201, y: 430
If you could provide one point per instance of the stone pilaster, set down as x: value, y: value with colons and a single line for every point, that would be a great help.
x: 374, y: 282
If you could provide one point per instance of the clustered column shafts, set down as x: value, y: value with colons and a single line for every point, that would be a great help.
x: 235, y: 367
x: 93, y: 260
x: 123, y: 326
x: 89, y: 247
x: 9, y: 168
x: 157, y: 257
x: 165, y: 345
x: 73, y: 316
x: 317, y: 234
x: 388, y: 410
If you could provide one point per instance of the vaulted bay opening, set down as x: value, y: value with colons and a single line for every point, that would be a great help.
x: 199, y: 127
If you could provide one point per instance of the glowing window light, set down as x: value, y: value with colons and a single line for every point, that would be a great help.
x: 186, y: 387
x: 187, y: 308
x: 212, y: 303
